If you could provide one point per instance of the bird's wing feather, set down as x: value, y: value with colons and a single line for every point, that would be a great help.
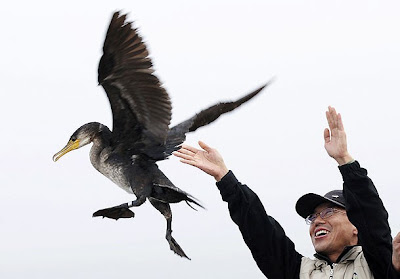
x: 141, y: 107
x: 177, y: 134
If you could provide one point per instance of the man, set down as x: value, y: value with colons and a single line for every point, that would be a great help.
x: 348, y: 228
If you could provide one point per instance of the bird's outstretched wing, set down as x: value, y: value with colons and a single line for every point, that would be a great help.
x: 140, y: 106
x: 177, y: 134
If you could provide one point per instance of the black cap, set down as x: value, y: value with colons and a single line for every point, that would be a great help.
x: 307, y: 203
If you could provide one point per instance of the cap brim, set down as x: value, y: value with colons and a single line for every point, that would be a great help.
x: 307, y: 203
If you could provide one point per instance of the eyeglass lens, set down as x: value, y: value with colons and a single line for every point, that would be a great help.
x: 327, y: 212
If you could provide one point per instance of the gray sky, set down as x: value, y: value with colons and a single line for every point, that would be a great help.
x: 321, y: 53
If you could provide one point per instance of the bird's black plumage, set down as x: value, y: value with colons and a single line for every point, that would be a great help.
x: 141, y: 136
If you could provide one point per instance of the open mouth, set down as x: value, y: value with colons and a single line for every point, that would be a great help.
x: 321, y: 233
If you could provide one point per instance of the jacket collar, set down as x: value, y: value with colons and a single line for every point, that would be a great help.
x: 349, y: 253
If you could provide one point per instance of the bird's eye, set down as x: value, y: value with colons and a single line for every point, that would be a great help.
x: 73, y: 138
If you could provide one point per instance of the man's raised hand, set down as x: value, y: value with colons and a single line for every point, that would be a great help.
x: 208, y: 160
x: 335, y: 138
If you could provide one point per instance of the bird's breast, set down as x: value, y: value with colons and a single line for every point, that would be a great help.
x: 114, y: 169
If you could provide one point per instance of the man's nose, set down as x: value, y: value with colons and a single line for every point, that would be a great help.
x: 319, y: 220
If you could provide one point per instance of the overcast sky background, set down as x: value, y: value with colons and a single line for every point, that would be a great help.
x: 339, y: 53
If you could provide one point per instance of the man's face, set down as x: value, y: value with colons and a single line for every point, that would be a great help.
x: 330, y: 235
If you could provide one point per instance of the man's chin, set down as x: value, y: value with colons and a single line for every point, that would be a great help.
x: 320, y: 248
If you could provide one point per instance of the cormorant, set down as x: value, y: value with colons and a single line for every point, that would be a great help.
x: 141, y: 136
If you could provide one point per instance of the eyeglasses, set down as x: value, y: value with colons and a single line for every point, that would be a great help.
x: 326, y: 213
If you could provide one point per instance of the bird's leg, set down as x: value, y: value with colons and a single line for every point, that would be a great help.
x: 173, y: 245
x: 137, y: 202
x: 165, y: 210
x: 120, y: 211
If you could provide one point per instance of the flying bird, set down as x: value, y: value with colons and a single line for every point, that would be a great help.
x: 141, y: 110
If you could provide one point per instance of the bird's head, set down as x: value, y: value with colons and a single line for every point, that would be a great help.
x: 81, y: 137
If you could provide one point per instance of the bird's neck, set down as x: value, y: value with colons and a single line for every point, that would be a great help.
x: 100, y: 142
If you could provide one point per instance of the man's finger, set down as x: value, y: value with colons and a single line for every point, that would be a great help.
x: 205, y: 146
x: 186, y: 151
x: 340, y: 122
x: 189, y: 162
x: 327, y: 135
x: 183, y: 156
x: 334, y: 116
x: 329, y: 119
x: 190, y: 148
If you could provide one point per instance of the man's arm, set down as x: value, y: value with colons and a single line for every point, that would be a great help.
x: 363, y: 204
x: 367, y: 212
x: 272, y: 250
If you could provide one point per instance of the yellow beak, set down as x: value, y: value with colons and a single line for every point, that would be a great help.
x: 71, y: 145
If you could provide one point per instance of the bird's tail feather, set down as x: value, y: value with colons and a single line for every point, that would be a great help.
x: 189, y: 199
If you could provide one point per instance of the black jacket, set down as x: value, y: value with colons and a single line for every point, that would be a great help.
x: 275, y: 253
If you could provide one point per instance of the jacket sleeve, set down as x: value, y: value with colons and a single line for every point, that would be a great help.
x: 272, y: 250
x: 393, y: 274
x: 367, y: 212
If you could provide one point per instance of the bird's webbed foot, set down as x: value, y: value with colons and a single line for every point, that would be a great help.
x: 116, y: 212
x: 174, y: 246
x: 165, y: 210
